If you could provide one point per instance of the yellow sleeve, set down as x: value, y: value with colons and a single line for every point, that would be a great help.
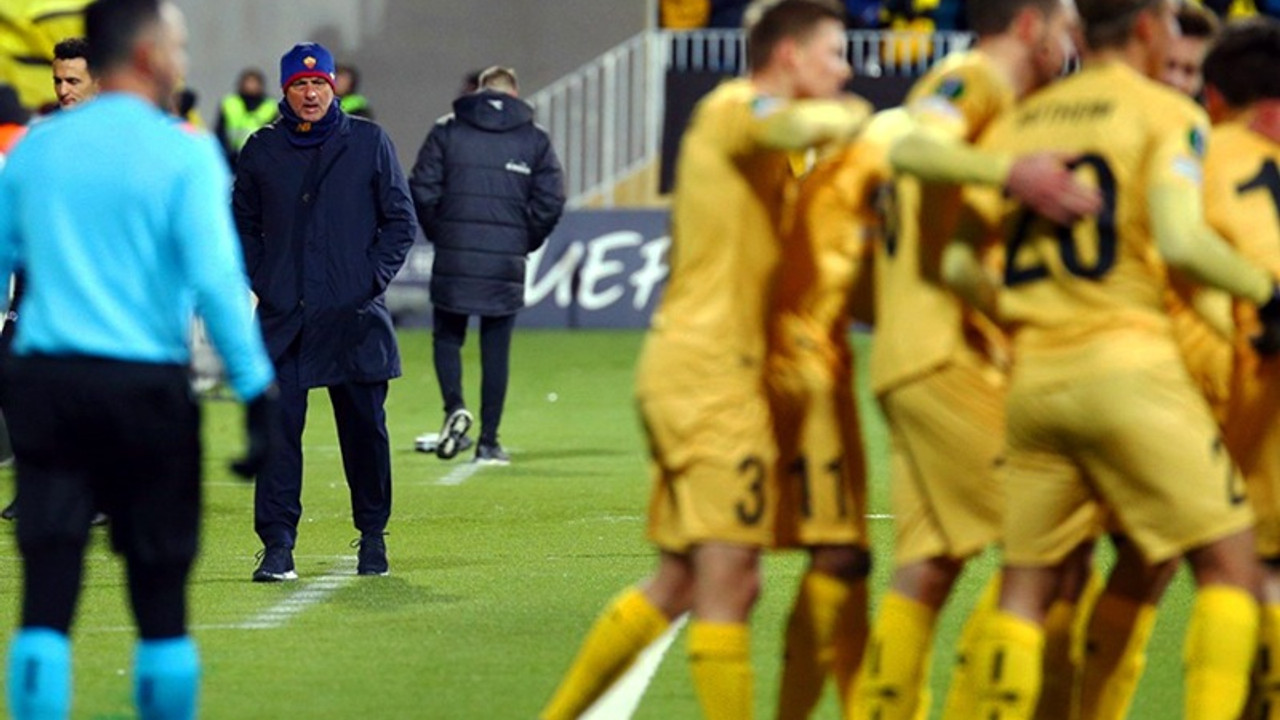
x: 801, y: 124
x: 1182, y: 234
x: 947, y: 116
x: 962, y: 266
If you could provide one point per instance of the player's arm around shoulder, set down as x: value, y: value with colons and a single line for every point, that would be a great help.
x: 962, y: 267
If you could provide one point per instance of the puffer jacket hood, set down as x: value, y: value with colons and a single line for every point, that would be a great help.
x: 493, y: 111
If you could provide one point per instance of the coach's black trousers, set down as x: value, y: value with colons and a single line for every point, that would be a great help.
x: 358, y: 409
x: 449, y: 333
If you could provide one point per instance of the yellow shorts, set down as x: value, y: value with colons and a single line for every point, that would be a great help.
x: 946, y: 433
x: 1140, y: 442
x: 821, y: 468
x: 1253, y: 435
x: 712, y: 464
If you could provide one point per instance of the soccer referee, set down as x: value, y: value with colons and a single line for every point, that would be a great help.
x: 121, y: 220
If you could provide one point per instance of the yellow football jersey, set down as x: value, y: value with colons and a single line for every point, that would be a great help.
x: 1206, y: 353
x: 920, y: 323
x: 731, y: 197
x: 836, y: 225
x: 1090, y: 298
x: 1242, y: 202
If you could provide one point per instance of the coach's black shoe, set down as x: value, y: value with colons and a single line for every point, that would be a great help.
x: 10, y: 511
x: 491, y: 454
x: 276, y: 565
x: 456, y: 425
x: 100, y: 519
x: 371, y: 558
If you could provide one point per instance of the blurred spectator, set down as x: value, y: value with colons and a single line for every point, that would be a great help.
x: 13, y: 120
x: 470, y: 83
x: 1184, y: 68
x: 28, y: 31
x: 72, y: 81
x: 684, y: 14
x: 864, y: 14
x: 184, y: 107
x: 925, y: 15
x: 727, y: 13
x: 244, y: 112
x: 347, y: 87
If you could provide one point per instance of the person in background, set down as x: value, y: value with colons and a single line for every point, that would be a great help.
x: 243, y: 113
x: 1184, y: 70
x: 347, y: 88
x: 326, y: 220
x: 488, y: 190
x: 98, y: 396
x: 73, y: 81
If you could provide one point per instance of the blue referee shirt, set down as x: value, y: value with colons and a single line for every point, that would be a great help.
x: 121, y: 219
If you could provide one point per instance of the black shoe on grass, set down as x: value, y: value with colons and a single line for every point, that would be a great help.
x: 276, y: 565
x: 371, y: 558
x: 456, y: 425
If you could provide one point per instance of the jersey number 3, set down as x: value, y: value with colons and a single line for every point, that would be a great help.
x: 1019, y: 270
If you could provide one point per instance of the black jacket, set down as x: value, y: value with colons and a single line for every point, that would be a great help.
x: 488, y: 190
x: 320, y: 258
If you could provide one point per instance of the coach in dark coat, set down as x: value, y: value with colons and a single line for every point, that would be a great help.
x: 488, y: 191
x: 326, y: 219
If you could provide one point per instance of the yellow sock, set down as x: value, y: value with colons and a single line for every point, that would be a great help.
x: 825, y: 634
x: 627, y: 626
x: 1268, y: 666
x: 1118, y: 633
x: 895, y: 670
x: 1008, y: 665
x: 1218, y: 652
x: 962, y: 695
x: 1058, y: 689
x: 720, y: 658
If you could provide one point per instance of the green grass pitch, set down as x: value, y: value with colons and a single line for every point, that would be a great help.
x: 493, y: 580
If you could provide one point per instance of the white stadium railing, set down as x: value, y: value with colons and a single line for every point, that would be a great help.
x: 605, y: 118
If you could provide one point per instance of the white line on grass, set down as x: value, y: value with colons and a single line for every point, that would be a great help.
x: 460, y: 474
x: 311, y: 592
x: 621, y: 701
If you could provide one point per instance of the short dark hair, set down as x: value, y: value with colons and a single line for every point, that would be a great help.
x: 1242, y: 62
x: 769, y: 22
x: 350, y: 70
x: 1197, y: 22
x: 112, y: 27
x: 992, y: 17
x: 1109, y: 23
x: 72, y: 48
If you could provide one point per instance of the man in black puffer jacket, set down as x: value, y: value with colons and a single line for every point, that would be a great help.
x: 488, y: 190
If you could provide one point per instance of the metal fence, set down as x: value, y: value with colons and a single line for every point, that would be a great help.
x: 605, y: 118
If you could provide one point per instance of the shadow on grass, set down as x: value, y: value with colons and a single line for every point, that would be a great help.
x: 382, y: 594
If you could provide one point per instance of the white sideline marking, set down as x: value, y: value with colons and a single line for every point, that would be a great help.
x: 460, y: 474
x: 879, y: 516
x: 311, y: 592
x: 621, y: 701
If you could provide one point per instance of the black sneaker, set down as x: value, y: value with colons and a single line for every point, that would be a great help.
x: 99, y: 519
x: 276, y: 565
x: 371, y: 558
x: 491, y: 454
x: 456, y: 425
x: 10, y: 511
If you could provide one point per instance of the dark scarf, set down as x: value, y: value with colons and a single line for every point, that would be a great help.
x: 303, y: 134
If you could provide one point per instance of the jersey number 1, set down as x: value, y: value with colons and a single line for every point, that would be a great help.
x: 1268, y: 178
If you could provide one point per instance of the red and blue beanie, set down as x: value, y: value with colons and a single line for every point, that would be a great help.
x: 306, y: 60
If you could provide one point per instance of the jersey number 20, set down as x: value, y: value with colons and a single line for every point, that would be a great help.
x: 1018, y: 270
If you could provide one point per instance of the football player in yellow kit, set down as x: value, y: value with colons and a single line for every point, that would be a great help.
x: 1101, y: 411
x: 822, y: 280
x: 933, y: 365
x: 701, y: 377
x: 1242, y: 198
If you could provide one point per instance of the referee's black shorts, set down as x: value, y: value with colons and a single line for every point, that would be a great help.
x: 121, y: 437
